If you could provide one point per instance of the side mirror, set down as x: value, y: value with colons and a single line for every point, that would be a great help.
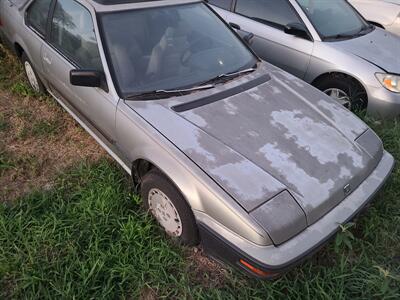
x: 297, y: 29
x: 88, y: 78
x: 248, y: 37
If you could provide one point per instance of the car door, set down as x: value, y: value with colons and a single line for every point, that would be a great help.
x: 267, y: 19
x: 72, y: 44
x: 34, y: 33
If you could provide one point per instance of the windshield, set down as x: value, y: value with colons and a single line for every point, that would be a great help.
x: 333, y: 18
x: 172, y: 47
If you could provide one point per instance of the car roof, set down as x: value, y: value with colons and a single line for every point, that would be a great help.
x: 114, y: 2
x: 116, y: 5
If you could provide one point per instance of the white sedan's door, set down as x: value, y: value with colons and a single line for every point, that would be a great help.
x: 266, y: 19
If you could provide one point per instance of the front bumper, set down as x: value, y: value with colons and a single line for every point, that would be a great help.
x: 383, y: 103
x: 225, y: 245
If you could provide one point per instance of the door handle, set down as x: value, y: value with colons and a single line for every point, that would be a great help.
x: 234, y: 26
x: 46, y: 59
x: 248, y: 37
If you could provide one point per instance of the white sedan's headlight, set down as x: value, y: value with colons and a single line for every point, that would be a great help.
x: 389, y: 81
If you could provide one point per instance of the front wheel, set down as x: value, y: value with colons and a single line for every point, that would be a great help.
x: 33, y: 79
x: 164, y: 201
x: 345, y: 90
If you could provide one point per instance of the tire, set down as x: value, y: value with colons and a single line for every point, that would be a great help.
x: 357, y: 98
x: 31, y: 75
x: 158, y: 193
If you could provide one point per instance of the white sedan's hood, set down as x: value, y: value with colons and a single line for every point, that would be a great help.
x: 380, y: 12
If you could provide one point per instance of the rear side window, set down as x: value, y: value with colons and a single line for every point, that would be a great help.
x: 225, y: 4
x: 72, y: 32
x: 277, y: 13
x: 37, y: 15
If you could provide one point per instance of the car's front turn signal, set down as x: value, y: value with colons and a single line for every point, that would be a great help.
x: 256, y: 270
x: 389, y: 81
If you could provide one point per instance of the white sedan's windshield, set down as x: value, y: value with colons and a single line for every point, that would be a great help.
x: 171, y: 47
x: 333, y: 18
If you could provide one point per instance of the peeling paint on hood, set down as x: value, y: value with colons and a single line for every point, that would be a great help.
x: 282, y: 134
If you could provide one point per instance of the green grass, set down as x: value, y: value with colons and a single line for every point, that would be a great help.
x: 6, y: 162
x: 89, y: 237
x: 22, y: 89
x: 3, y: 123
x: 46, y: 128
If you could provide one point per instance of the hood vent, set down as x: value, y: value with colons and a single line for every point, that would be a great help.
x: 221, y: 95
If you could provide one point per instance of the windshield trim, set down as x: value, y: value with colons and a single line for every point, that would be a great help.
x: 108, y: 56
x: 325, y: 38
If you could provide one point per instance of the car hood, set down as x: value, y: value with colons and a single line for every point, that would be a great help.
x: 256, y: 142
x: 382, y: 12
x: 379, y: 47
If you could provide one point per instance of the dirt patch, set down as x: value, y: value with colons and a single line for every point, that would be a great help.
x: 204, y: 270
x: 148, y: 294
x: 38, y: 139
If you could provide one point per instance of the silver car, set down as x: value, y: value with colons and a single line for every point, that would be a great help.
x: 227, y: 150
x: 326, y: 43
x: 382, y: 13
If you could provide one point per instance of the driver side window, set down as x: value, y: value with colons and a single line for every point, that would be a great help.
x: 36, y: 15
x: 72, y: 33
x: 276, y: 13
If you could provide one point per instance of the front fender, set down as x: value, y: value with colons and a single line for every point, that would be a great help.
x: 139, y: 140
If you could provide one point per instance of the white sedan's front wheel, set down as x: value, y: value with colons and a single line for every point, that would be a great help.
x: 345, y: 90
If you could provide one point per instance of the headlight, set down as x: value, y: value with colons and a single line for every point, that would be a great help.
x: 389, y: 81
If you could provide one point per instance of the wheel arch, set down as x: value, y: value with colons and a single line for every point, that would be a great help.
x: 18, y: 49
x: 140, y: 167
x: 336, y: 73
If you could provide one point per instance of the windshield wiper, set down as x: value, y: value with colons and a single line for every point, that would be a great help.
x: 228, y: 76
x: 340, y: 36
x: 209, y: 84
x: 363, y: 31
x: 162, y: 94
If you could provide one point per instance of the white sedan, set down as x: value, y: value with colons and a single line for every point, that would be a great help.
x: 382, y: 13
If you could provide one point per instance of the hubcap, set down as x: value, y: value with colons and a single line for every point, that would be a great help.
x: 340, y: 96
x: 165, y: 212
x: 31, y: 77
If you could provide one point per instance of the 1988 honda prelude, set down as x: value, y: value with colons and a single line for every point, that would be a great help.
x: 227, y: 150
